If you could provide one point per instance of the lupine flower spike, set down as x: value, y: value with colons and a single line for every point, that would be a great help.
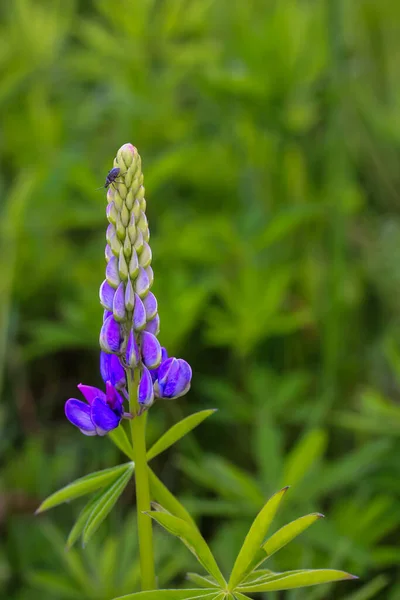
x: 131, y: 324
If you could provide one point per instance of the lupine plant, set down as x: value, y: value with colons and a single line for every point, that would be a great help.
x: 137, y: 371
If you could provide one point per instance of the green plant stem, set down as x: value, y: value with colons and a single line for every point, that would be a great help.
x: 145, y: 531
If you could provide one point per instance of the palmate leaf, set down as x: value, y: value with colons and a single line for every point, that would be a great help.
x: 84, y: 485
x: 255, y: 538
x: 191, y: 537
x: 201, y: 580
x: 297, y: 579
x: 283, y: 536
x: 82, y: 520
x: 178, y: 431
x: 105, y: 503
x: 210, y: 594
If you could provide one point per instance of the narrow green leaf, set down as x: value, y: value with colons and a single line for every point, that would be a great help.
x: 288, y: 532
x: 305, y: 578
x: 161, y: 494
x: 239, y: 596
x: 261, y: 574
x: 168, y: 595
x: 192, y: 538
x: 104, y: 505
x: 177, y: 431
x: 201, y: 580
x: 255, y: 538
x: 82, y: 520
x: 121, y: 440
x: 83, y: 485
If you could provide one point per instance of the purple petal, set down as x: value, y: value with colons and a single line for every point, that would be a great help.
x: 108, y: 253
x: 153, y: 326
x: 78, y: 413
x: 145, y: 389
x: 103, y: 417
x: 142, y: 283
x: 132, y: 351
x: 151, y: 350
x: 139, y: 314
x: 106, y: 314
x: 112, y: 370
x: 118, y: 307
x: 106, y: 295
x: 112, y: 274
x: 154, y: 372
x: 90, y: 393
x: 150, y: 305
x: 110, y: 336
x: 174, y: 377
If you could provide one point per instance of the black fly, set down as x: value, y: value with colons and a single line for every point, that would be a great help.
x: 112, y: 176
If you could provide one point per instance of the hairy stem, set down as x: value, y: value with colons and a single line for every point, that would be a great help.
x: 145, y: 532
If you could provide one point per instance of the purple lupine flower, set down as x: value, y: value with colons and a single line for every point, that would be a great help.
x: 131, y: 323
x: 173, y: 378
x: 100, y: 414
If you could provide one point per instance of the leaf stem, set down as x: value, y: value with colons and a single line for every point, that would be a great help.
x: 145, y: 531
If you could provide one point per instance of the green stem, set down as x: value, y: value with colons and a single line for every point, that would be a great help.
x: 145, y: 531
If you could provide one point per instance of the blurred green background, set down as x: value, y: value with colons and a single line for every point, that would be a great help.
x: 270, y: 137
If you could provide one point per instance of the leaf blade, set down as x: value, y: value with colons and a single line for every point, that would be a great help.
x: 289, y: 532
x: 200, y: 580
x: 81, y: 521
x: 104, y: 505
x: 82, y: 486
x: 168, y: 595
x: 193, y: 539
x: 255, y: 538
x: 304, y: 578
x: 178, y: 431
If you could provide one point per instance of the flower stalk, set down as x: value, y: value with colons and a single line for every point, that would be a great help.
x: 145, y: 531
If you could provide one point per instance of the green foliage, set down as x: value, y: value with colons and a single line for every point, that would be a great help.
x: 269, y: 133
x: 244, y: 576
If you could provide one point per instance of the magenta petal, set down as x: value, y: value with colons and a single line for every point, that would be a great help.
x: 151, y: 350
x: 90, y: 393
x: 139, y: 314
x: 113, y: 399
x: 150, y: 305
x: 78, y: 413
x: 103, y: 417
x: 145, y: 389
x: 110, y: 336
x: 106, y: 295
